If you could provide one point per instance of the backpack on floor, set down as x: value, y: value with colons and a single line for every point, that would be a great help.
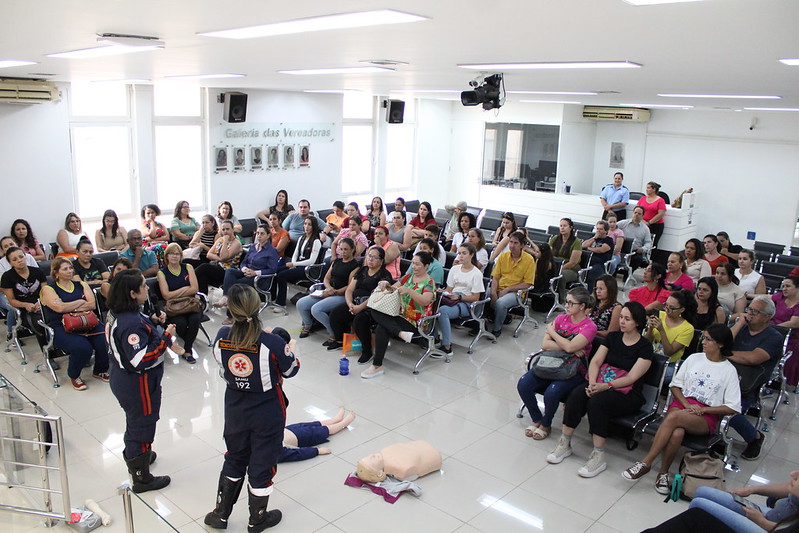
x: 697, y: 469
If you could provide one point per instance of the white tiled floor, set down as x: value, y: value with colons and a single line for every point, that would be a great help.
x: 493, y: 478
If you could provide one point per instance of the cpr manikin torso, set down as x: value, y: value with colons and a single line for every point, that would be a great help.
x: 405, y: 461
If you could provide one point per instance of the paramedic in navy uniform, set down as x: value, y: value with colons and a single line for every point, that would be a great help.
x: 138, y: 349
x: 253, y: 364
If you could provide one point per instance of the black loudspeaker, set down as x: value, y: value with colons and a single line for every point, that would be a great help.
x: 235, y: 107
x: 395, y: 111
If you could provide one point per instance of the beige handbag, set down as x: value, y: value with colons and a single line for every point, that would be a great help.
x: 389, y: 303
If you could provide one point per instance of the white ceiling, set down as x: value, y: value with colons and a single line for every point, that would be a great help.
x: 715, y: 46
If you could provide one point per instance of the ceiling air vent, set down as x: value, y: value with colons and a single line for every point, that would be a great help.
x: 27, y: 92
x: 628, y: 114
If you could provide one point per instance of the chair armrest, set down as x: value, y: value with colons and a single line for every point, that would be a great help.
x: 314, y: 272
x: 263, y: 282
x: 422, y: 326
x: 476, y: 308
x: 528, y: 361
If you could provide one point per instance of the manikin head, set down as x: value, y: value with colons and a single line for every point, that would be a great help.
x: 371, y: 468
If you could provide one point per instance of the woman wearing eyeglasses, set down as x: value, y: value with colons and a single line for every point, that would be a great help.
x: 360, y: 287
x: 572, y: 332
x: 671, y: 330
x: 786, y: 302
x: 705, y: 388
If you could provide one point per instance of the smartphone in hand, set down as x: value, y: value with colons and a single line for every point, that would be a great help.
x: 743, y: 501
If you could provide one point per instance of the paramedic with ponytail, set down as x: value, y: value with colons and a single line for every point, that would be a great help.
x: 253, y: 363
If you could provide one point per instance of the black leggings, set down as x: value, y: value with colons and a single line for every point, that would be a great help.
x: 187, y: 326
x: 387, y: 327
x: 600, y: 408
x: 209, y: 274
x: 657, y: 231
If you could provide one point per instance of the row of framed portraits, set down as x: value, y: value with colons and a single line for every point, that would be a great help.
x: 261, y: 157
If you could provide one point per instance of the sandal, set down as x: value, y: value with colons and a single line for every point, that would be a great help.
x: 538, y: 433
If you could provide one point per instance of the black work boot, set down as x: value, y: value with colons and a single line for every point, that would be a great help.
x: 260, y: 518
x: 143, y: 481
x: 226, y: 496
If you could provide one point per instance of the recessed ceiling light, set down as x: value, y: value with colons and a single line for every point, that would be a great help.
x: 327, y: 22
x: 743, y: 96
x: 104, y: 51
x: 772, y: 108
x: 656, y: 2
x: 791, y: 62
x: 340, y: 70
x: 665, y: 106
x: 205, y: 76
x: 556, y: 93
x: 548, y: 102
x: 558, y: 65
x: 7, y: 63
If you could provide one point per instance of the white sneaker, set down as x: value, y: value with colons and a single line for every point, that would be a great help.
x: 561, y: 451
x: 594, y: 466
x: 663, y: 484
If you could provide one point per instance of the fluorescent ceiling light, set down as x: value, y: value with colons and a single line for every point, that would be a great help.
x: 332, y: 91
x: 326, y: 22
x: 340, y: 70
x: 103, y: 51
x: 657, y: 2
x: 665, y: 106
x: 791, y: 62
x: 7, y: 63
x: 204, y: 76
x: 556, y: 93
x: 560, y: 65
x: 742, y: 96
x: 123, y: 80
x: 771, y: 108
x: 547, y: 102
x: 427, y: 91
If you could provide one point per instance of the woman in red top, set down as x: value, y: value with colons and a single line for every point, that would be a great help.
x: 653, y: 294
x: 654, y: 210
x: 712, y: 254
x: 414, y: 230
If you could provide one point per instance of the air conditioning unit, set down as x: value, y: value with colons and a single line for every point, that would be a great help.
x: 27, y: 92
x: 629, y: 114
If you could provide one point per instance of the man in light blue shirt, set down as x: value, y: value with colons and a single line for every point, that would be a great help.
x: 615, y: 197
x: 294, y: 222
x: 142, y: 259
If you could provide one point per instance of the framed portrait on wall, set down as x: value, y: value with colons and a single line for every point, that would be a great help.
x: 617, y: 155
x: 272, y: 160
x: 238, y: 158
x: 220, y: 159
x: 256, y: 157
x: 288, y: 156
x: 305, y: 155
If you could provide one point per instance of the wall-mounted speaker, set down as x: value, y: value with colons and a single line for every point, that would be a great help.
x: 395, y: 111
x: 235, y: 107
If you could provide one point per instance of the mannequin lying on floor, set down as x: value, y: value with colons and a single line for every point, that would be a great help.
x: 404, y: 461
x: 300, y: 440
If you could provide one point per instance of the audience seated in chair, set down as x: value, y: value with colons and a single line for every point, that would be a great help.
x: 281, y: 207
x: 695, y: 265
x: 676, y: 278
x: 24, y: 238
x: 786, y: 303
x: 352, y: 231
x: 225, y: 254
x: 122, y: 263
x: 305, y: 253
x: 653, y: 293
x: 454, y: 225
x: 464, y: 286
x: 514, y: 271
x: 177, y: 280
x: 466, y: 221
x: 224, y: 211
x: 731, y: 297
x: 69, y: 237
x: 87, y: 267
x: 708, y: 308
x: 567, y: 247
x: 22, y: 285
x: 601, y: 246
x: 636, y: 229
x: 203, y: 239
x: 614, y: 388
x: 155, y: 236
x: 392, y: 250
x: 704, y: 390
x: 141, y: 258
x: 436, y: 269
x: 183, y: 226
x: 606, y: 310
x: 111, y: 236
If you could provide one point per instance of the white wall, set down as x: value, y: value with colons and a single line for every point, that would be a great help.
x: 745, y: 180
x: 433, y: 147
x: 250, y: 192
x: 36, y: 174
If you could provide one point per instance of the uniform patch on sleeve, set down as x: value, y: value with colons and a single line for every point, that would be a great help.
x: 133, y: 339
x: 240, y: 365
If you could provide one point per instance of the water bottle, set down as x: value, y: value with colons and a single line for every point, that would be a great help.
x: 343, y: 367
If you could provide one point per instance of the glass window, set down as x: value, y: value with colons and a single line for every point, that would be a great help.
x: 97, y: 99
x: 399, y: 156
x: 177, y: 100
x: 358, y: 105
x: 356, y: 158
x: 513, y: 153
x: 178, y: 165
x: 102, y: 169
x: 521, y: 156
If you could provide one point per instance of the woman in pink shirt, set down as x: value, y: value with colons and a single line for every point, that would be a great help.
x: 654, y: 210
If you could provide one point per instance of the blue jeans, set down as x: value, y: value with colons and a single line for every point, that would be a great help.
x: 311, y: 308
x: 721, y: 505
x: 501, y: 308
x: 11, y: 316
x: 448, y: 313
x: 614, y: 264
x: 740, y: 423
x: 554, y: 393
x: 233, y: 276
